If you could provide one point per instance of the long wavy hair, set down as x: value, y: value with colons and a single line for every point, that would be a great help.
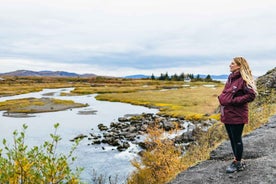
x: 246, y: 72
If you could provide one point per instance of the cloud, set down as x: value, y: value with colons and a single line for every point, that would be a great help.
x: 135, y: 36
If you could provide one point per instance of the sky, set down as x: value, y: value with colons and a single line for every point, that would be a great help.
x: 127, y: 37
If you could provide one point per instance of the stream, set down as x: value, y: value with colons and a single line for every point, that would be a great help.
x: 107, y: 161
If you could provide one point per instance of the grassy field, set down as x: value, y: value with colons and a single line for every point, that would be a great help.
x: 193, y: 102
x: 20, y: 85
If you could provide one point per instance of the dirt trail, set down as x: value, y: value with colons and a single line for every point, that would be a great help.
x: 259, y: 155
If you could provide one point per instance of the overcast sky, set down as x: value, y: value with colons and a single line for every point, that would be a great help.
x: 125, y: 37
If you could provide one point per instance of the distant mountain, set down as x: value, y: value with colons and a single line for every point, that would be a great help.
x: 214, y: 76
x: 138, y: 76
x: 45, y: 74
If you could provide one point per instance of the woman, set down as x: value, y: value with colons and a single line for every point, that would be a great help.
x: 239, y: 90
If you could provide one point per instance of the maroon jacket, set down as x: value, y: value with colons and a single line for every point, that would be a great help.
x: 234, y: 100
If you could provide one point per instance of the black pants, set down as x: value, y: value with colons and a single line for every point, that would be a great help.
x: 235, y: 135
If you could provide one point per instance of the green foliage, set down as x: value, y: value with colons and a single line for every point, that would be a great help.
x: 39, y: 164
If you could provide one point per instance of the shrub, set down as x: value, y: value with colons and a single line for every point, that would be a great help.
x: 37, y: 165
x: 159, y: 162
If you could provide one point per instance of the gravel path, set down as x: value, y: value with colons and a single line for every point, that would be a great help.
x: 259, y: 156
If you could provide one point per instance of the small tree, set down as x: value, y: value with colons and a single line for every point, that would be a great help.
x: 208, y: 78
x: 152, y: 77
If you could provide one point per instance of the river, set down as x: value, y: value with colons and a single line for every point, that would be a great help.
x: 106, y: 161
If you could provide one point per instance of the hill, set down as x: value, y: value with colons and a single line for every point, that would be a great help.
x: 45, y: 74
x: 138, y: 76
x: 215, y: 77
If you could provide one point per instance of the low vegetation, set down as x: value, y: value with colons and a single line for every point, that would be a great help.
x: 34, y: 105
x: 158, y: 163
x: 39, y: 164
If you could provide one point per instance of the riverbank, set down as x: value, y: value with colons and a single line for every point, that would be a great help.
x: 26, y: 106
x: 259, y: 156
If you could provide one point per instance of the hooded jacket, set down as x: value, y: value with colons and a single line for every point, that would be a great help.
x: 234, y: 100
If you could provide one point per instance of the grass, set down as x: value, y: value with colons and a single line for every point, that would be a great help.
x: 21, y: 85
x: 33, y: 105
x: 126, y: 86
x: 191, y: 103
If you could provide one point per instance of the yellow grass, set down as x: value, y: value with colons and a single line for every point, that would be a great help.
x: 32, y: 105
x: 15, y: 87
x: 19, y: 103
x: 187, y: 102
x: 111, y: 89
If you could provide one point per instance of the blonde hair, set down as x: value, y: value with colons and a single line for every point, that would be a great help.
x: 246, y: 73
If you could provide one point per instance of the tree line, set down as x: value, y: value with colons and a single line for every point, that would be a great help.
x: 182, y: 77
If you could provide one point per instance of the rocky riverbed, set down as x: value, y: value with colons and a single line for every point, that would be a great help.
x: 133, y: 128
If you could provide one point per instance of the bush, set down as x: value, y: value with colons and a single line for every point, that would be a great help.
x: 159, y: 162
x: 37, y: 165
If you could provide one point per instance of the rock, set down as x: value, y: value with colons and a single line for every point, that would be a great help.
x: 132, y: 129
x: 113, y: 125
x: 144, y: 127
x: 80, y: 136
x: 266, y: 85
x: 123, y: 146
x: 131, y: 136
x: 96, y: 141
x: 184, y: 138
x: 102, y: 127
x: 268, y: 80
x: 168, y: 125
x: 123, y: 119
